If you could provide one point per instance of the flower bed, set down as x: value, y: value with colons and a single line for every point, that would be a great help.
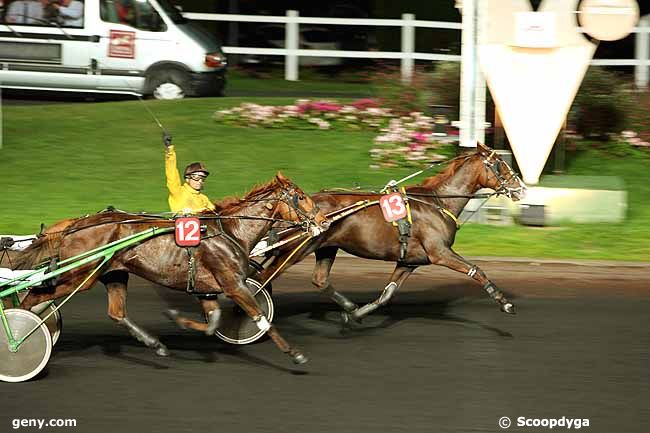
x: 363, y: 114
x: 402, y: 141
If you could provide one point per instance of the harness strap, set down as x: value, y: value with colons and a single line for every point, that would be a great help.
x: 223, y: 233
x: 307, y: 239
x: 408, y: 206
x: 450, y: 215
x: 443, y: 210
x: 191, y: 270
x: 404, y: 227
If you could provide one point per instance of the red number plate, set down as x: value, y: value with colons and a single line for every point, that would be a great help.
x: 392, y: 206
x: 188, y: 232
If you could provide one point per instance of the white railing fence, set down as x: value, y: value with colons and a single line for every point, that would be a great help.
x: 407, y: 55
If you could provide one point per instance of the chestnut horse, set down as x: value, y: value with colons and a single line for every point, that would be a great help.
x: 435, y: 206
x: 221, y: 260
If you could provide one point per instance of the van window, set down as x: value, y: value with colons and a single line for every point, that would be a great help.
x: 49, y: 13
x: 135, y: 13
x: 172, y: 13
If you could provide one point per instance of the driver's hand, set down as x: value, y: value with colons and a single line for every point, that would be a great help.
x: 167, y: 139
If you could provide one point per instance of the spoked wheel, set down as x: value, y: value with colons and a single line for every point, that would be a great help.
x: 54, y: 323
x: 236, y: 326
x: 32, y: 355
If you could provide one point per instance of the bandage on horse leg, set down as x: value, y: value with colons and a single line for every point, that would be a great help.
x: 340, y: 299
x: 144, y: 337
x: 386, y: 295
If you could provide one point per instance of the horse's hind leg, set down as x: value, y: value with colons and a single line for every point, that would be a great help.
x: 321, y: 278
x: 242, y: 297
x: 447, y: 257
x: 212, y: 313
x: 116, y: 291
x: 400, y: 274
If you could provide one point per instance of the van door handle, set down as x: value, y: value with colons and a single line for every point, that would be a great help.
x: 94, y: 38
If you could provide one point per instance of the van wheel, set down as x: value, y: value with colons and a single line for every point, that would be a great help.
x: 169, y: 84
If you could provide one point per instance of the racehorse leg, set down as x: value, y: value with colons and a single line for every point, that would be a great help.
x: 320, y: 278
x: 212, y: 312
x: 400, y: 274
x: 449, y: 258
x: 116, y: 291
x: 242, y: 297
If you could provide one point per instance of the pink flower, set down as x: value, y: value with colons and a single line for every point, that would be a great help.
x: 420, y: 137
x: 326, y: 106
x: 362, y: 104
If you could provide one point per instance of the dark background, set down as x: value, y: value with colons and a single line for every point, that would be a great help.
x: 387, y: 38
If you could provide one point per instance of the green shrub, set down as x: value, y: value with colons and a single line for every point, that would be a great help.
x: 401, y: 98
x: 444, y: 85
x: 602, y: 104
x: 639, y: 118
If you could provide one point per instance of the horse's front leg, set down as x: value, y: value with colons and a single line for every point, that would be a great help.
x: 116, y: 291
x: 398, y: 277
x: 447, y: 257
x: 212, y: 313
x: 239, y: 293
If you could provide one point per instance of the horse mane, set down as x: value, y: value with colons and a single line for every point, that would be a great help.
x: 46, y: 245
x: 232, y: 203
x: 39, y: 251
x: 433, y: 182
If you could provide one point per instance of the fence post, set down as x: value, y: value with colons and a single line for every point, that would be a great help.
x: 408, y: 47
x: 472, y: 84
x: 291, y: 44
x: 642, y: 53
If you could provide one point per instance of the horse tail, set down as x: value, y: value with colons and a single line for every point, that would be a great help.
x: 39, y: 252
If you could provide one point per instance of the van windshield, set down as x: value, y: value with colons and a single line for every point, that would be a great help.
x: 173, y: 13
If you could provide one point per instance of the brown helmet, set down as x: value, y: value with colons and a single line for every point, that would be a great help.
x: 195, y: 167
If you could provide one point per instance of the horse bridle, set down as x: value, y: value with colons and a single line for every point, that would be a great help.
x: 291, y: 197
x: 494, y: 165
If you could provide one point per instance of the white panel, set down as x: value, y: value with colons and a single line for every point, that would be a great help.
x: 534, y: 89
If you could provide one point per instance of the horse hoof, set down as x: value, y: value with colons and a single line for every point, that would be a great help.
x: 299, y: 358
x: 508, y: 308
x: 162, y: 351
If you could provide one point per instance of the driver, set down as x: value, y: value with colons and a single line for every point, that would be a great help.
x: 186, y: 198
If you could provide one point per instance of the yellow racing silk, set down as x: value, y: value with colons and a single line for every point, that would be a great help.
x: 182, y: 197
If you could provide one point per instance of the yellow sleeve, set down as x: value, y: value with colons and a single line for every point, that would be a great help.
x: 171, y: 172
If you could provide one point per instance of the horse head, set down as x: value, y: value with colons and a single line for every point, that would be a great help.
x: 293, y: 204
x: 498, y: 175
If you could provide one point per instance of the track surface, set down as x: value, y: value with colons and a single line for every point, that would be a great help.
x: 441, y: 358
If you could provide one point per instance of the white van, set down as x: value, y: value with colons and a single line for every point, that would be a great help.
x: 109, y: 46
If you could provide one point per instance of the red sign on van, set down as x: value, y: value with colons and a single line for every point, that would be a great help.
x: 121, y: 44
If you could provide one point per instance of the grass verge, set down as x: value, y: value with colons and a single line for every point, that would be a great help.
x: 65, y: 160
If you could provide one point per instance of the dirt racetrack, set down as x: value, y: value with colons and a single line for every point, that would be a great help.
x: 440, y: 358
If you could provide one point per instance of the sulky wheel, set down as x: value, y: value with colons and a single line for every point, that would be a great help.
x: 54, y: 323
x: 32, y: 355
x: 236, y: 326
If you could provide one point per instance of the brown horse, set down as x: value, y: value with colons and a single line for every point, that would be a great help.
x: 221, y: 260
x: 435, y: 205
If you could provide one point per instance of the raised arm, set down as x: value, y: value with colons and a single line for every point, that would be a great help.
x: 171, y: 171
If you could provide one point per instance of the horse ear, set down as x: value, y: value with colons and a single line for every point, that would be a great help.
x: 281, y: 177
x: 482, y: 148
